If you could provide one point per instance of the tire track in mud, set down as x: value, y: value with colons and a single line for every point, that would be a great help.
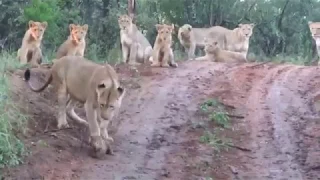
x: 277, y: 104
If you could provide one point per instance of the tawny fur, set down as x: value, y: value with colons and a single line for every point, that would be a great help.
x: 236, y: 40
x: 162, y: 54
x: 77, y: 79
x: 190, y: 38
x: 233, y: 40
x: 215, y: 53
x: 76, y: 43
x: 315, y: 33
x: 30, y: 50
x: 136, y: 48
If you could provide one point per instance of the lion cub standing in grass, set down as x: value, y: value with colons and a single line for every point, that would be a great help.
x: 76, y: 43
x: 133, y: 42
x: 162, y: 54
x: 30, y: 51
x: 215, y: 53
x: 96, y: 86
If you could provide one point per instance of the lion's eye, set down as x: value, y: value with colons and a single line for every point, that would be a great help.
x: 111, y: 107
x: 102, y: 105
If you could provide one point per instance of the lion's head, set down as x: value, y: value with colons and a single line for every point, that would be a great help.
x: 210, y: 45
x: 314, y: 29
x: 185, y: 31
x: 246, y: 29
x: 109, y: 95
x: 37, y: 29
x: 124, y: 22
x: 78, y: 32
x: 164, y: 32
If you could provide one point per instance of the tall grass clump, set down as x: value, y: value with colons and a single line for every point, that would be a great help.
x: 11, y: 119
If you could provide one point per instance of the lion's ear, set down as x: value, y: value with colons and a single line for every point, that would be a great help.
x: 71, y: 27
x: 85, y: 27
x: 252, y: 24
x: 240, y: 25
x: 44, y: 24
x: 120, y: 90
x: 205, y: 40
x: 309, y: 22
x: 172, y: 27
x: 31, y: 24
x: 159, y: 26
x: 101, y: 85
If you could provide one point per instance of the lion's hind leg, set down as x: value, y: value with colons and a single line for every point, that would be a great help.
x: 62, y: 102
x: 73, y: 115
x: 147, y: 55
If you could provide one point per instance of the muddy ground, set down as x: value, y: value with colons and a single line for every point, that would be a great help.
x: 158, y: 128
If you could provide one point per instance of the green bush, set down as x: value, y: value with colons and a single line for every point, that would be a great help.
x: 11, y: 119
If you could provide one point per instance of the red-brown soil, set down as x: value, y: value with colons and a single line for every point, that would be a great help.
x: 156, y: 133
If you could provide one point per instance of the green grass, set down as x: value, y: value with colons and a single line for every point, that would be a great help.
x: 12, y: 121
x: 213, y: 140
x: 217, y: 112
x: 297, y: 60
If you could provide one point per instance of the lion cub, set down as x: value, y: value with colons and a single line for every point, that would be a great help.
x: 76, y: 43
x: 162, y: 54
x: 30, y: 51
x: 214, y: 52
x: 133, y: 42
x: 96, y: 86
x: 190, y: 38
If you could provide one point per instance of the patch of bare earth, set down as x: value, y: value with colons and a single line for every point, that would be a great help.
x: 156, y: 134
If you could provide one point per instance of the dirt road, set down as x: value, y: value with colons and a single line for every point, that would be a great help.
x: 158, y: 137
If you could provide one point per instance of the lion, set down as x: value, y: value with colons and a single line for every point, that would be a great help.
x: 315, y: 33
x: 162, y: 54
x: 134, y: 44
x: 236, y: 40
x: 78, y: 79
x: 30, y: 51
x: 190, y: 38
x: 76, y: 43
x: 214, y: 52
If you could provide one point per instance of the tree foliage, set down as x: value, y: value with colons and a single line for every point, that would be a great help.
x: 281, y: 25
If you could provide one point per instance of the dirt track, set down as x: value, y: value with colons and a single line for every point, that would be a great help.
x: 156, y: 138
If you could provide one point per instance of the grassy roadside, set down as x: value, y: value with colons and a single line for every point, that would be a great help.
x: 12, y: 121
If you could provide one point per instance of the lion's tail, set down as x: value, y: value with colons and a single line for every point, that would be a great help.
x: 27, y: 75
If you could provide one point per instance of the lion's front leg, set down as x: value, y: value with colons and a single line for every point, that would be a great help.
x: 104, y: 130
x: 191, y: 51
x: 166, y: 57
x: 36, y: 59
x: 96, y: 140
x: 22, y: 55
x: 133, y: 54
x: 125, y: 53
